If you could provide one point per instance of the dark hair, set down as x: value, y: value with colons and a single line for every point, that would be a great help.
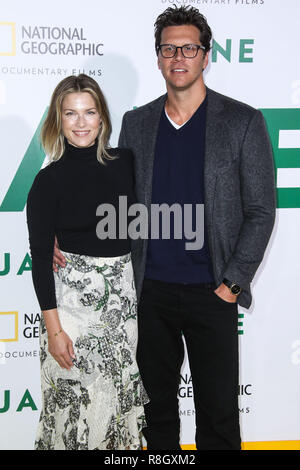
x: 184, y: 15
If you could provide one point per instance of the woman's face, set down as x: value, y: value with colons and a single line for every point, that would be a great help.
x: 80, y: 119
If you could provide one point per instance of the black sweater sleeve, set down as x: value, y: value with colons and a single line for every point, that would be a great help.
x: 41, y: 210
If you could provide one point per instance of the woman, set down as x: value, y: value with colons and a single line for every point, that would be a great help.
x: 92, y: 395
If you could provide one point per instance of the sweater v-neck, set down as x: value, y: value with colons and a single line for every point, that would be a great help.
x: 174, y: 125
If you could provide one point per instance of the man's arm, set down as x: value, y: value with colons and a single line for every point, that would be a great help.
x: 257, y: 181
x: 122, y: 137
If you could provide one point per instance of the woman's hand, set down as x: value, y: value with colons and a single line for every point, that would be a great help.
x: 60, y: 347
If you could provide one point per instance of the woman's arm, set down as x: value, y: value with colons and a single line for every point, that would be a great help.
x: 42, y: 204
x: 59, y: 344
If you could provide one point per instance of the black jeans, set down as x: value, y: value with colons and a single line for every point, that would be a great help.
x: 209, y: 326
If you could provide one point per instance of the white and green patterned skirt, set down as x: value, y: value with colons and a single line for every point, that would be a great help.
x: 98, y: 404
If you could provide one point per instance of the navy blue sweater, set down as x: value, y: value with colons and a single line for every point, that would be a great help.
x: 178, y: 177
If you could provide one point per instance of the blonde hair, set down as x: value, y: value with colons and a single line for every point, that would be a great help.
x: 51, y: 134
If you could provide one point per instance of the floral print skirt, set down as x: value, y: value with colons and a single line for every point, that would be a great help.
x: 98, y: 404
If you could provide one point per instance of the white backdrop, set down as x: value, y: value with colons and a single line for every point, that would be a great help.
x: 256, y: 60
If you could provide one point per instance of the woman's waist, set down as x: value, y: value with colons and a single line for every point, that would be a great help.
x: 87, y: 245
x: 92, y: 260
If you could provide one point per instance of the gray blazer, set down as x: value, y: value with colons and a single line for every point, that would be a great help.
x: 239, y: 185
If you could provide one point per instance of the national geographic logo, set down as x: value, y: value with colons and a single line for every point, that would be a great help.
x: 245, y: 391
x: 7, y: 38
x: 11, y: 322
x: 14, y: 328
x: 8, y: 326
x: 185, y: 389
x: 46, y: 40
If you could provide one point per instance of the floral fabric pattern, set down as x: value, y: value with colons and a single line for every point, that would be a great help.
x: 98, y: 404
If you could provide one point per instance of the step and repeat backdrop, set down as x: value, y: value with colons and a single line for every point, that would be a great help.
x: 255, y: 59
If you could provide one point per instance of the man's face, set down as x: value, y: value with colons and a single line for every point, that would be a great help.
x: 179, y: 72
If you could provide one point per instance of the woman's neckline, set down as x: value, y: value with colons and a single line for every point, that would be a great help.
x: 81, y: 152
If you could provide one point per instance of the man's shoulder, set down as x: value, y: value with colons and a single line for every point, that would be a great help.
x: 136, y: 113
x: 229, y: 104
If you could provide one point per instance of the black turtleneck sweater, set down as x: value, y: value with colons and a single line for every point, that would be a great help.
x: 63, y: 201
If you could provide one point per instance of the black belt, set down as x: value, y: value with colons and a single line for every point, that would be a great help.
x: 200, y: 285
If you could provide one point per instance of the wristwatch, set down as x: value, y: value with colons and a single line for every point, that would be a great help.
x: 235, y: 289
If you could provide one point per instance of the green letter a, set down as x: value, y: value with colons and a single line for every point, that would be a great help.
x: 16, y: 196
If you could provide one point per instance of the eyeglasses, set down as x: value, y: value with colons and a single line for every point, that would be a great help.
x: 188, y: 50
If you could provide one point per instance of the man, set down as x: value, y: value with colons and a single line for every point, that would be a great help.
x: 220, y: 156
x: 195, y: 146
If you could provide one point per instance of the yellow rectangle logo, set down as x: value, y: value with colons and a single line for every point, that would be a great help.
x: 8, y: 326
x: 7, y: 38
